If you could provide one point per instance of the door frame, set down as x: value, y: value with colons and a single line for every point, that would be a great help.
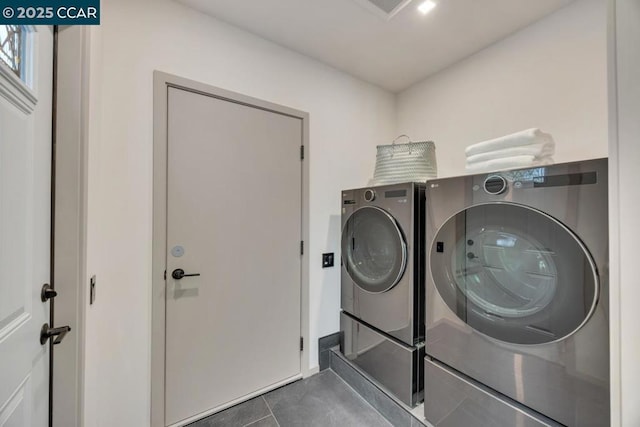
x: 69, y: 221
x: 161, y: 83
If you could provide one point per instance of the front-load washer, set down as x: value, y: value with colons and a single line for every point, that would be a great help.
x: 382, y: 322
x: 382, y: 278
x: 517, y: 294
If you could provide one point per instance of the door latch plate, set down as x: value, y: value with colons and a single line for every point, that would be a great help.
x: 92, y: 289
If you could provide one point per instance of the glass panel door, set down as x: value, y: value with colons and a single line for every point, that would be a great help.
x: 514, y: 273
x: 373, y: 249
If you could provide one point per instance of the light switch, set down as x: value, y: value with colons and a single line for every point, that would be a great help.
x: 327, y: 260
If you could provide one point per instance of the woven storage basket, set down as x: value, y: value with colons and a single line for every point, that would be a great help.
x: 407, y: 162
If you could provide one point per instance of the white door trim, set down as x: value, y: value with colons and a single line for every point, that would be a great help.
x: 161, y: 83
x: 624, y: 131
x: 70, y: 226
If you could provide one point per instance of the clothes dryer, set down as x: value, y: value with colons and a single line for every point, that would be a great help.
x: 382, y: 257
x: 517, y: 297
x: 382, y: 284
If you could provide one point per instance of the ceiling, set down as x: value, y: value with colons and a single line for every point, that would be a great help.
x: 392, y: 53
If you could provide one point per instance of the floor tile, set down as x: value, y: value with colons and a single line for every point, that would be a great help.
x: 264, y: 422
x: 323, y: 400
x: 237, y: 416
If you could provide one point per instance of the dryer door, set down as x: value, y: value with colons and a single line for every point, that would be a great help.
x: 514, y: 273
x: 374, y: 252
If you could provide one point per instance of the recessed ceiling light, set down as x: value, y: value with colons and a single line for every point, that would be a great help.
x: 426, y: 6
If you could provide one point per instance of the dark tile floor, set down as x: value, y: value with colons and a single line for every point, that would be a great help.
x: 323, y: 400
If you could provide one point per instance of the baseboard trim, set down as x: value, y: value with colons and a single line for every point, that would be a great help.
x: 325, y: 344
x: 311, y: 372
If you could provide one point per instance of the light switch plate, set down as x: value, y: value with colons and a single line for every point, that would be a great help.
x: 327, y: 260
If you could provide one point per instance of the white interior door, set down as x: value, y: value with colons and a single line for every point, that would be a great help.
x: 234, y: 218
x: 25, y: 197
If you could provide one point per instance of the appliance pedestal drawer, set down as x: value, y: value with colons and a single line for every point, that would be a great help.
x: 455, y: 401
x: 394, y: 365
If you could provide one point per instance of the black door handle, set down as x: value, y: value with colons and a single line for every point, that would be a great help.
x: 47, y: 292
x: 46, y: 332
x: 179, y: 273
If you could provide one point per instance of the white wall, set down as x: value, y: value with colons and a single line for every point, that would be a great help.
x: 347, y: 119
x: 551, y: 75
x: 623, y: 210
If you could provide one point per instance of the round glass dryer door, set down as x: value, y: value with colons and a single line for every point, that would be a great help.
x: 514, y: 273
x: 373, y: 249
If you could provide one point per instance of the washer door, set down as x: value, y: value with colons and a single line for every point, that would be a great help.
x: 374, y: 252
x: 514, y: 273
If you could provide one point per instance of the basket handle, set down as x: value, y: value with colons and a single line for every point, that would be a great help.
x: 393, y: 144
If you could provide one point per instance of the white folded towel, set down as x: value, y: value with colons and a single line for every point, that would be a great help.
x: 527, y: 137
x: 514, y: 162
x: 538, y: 150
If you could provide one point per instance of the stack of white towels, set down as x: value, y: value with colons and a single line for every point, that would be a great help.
x: 530, y: 147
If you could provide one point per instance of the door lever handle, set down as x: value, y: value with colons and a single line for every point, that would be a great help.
x: 46, y: 332
x: 47, y: 292
x: 179, y: 273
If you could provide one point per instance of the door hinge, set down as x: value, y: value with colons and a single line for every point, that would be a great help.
x: 302, y: 152
x: 301, y: 343
x: 165, y: 275
x: 301, y: 247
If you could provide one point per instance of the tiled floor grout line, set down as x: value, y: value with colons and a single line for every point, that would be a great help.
x: 270, y: 411
x: 263, y: 418
x: 360, y: 396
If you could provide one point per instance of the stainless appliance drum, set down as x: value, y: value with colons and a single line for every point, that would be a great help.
x: 382, y: 254
x: 517, y: 294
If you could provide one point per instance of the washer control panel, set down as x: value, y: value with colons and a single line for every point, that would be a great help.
x: 495, y: 184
